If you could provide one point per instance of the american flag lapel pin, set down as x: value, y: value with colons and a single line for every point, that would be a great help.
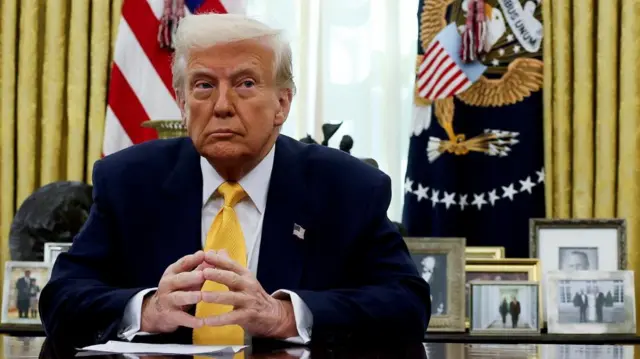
x: 298, y: 231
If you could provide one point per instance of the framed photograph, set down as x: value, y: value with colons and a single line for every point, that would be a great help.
x: 441, y: 262
x: 577, y: 244
x: 484, y: 252
x: 505, y: 307
x: 591, y: 302
x: 23, y: 282
x: 509, y: 269
x: 52, y: 250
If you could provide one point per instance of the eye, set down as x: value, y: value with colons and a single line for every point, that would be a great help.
x: 248, y: 83
x: 203, y: 85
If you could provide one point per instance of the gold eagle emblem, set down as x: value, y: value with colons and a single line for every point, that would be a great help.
x: 514, y: 68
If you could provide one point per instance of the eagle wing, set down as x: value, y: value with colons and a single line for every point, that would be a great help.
x: 523, y: 77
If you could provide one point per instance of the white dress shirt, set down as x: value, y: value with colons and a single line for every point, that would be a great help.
x: 250, y: 212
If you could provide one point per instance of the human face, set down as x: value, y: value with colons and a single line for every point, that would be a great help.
x: 232, y: 105
x: 576, y: 263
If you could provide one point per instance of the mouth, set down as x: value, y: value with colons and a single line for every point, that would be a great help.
x: 222, y: 134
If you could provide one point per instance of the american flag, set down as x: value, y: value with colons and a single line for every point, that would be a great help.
x: 140, y: 85
x: 442, y: 73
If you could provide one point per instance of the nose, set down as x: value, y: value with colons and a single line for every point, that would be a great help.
x: 223, y: 107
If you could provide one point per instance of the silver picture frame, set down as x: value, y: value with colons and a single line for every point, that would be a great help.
x: 453, y: 250
x: 562, y: 292
x: 603, y: 241
x: 53, y: 249
x: 532, y: 315
x: 19, y: 303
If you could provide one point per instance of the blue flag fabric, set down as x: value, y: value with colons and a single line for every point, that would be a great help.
x: 475, y: 164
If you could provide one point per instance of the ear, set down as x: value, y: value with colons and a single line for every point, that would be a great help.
x: 182, y: 103
x: 284, y: 100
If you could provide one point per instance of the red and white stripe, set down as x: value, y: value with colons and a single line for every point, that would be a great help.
x: 140, y: 85
x: 439, y: 76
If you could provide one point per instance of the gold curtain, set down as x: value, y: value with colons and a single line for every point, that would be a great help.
x: 55, y: 57
x: 592, y: 113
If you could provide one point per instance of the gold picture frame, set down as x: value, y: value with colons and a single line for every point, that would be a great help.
x: 450, y: 251
x: 484, y: 253
x: 530, y: 266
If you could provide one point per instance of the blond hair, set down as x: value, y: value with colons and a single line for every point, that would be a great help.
x: 207, y: 30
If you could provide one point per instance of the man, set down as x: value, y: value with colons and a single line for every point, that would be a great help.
x: 187, y: 238
x: 434, y: 277
x: 504, y: 309
x: 575, y: 261
x: 600, y: 302
x: 514, y: 310
x: 23, y: 289
x: 582, y: 302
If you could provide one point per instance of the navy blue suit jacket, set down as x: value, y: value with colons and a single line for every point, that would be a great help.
x: 352, y: 269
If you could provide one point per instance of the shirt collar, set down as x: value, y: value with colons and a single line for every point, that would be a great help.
x: 255, y: 183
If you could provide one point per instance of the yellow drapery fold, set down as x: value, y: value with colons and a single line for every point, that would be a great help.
x: 592, y: 113
x: 54, y: 66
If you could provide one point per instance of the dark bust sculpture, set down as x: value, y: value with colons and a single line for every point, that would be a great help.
x: 53, y: 213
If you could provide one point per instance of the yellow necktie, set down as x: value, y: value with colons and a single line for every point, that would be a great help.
x: 225, y: 233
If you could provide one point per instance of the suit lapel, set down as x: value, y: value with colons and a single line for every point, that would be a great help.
x: 183, y: 208
x: 282, y: 253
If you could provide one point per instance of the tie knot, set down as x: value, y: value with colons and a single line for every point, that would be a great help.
x: 232, y: 193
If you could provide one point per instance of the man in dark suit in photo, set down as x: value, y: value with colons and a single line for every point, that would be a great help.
x: 237, y: 230
x: 514, y: 311
x: 600, y: 302
x: 582, y: 302
x: 23, y: 291
x: 504, y: 309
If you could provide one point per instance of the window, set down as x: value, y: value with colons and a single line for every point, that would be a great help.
x: 618, y: 291
x: 565, y: 292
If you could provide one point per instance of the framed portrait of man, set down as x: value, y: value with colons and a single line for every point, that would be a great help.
x: 577, y: 245
x: 440, y: 262
x: 23, y: 282
x: 591, y: 302
x: 506, y: 269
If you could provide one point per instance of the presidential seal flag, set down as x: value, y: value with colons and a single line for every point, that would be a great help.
x: 475, y: 164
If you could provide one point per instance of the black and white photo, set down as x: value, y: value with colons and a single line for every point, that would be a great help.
x: 596, y: 301
x: 590, y: 302
x: 441, y: 262
x: 433, y: 269
x: 577, y: 245
x: 23, y: 282
x: 578, y: 258
x: 499, y: 307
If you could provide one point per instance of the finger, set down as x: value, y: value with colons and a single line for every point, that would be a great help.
x: 186, y: 263
x: 182, y: 280
x: 182, y: 298
x: 229, y: 298
x: 232, y: 280
x: 223, y: 261
x: 186, y: 320
x: 233, y: 317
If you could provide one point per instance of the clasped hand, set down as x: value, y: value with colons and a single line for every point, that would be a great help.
x: 181, y: 287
